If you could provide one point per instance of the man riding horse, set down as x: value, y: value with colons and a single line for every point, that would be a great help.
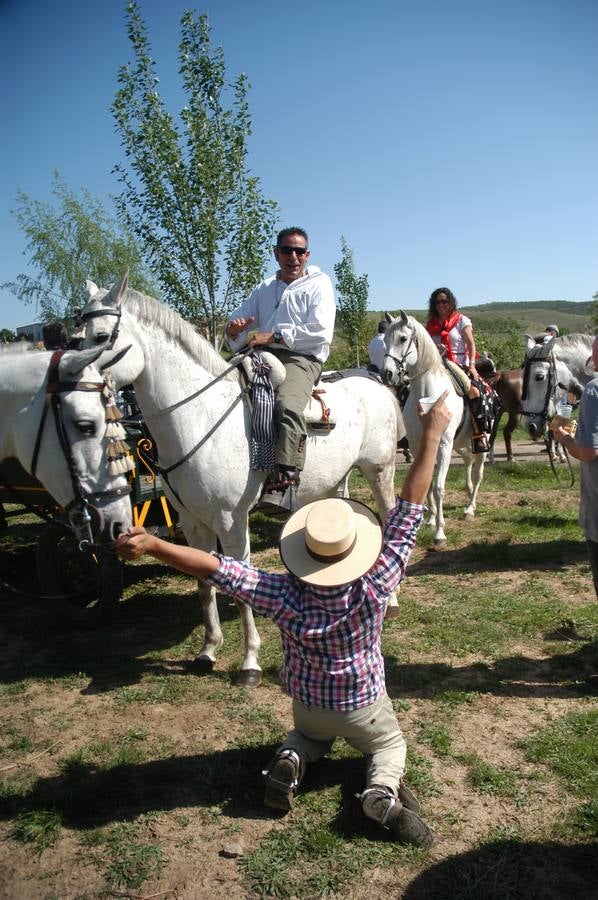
x: 293, y: 312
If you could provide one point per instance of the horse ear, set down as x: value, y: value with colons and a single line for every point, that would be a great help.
x: 118, y: 291
x: 529, y: 343
x: 113, y: 356
x: 91, y: 288
x: 74, y: 361
x: 388, y: 317
x: 403, y: 317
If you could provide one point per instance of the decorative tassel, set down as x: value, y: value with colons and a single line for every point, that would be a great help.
x: 113, y: 413
x: 115, y: 430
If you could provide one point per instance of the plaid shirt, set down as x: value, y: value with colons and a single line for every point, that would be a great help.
x: 330, y: 636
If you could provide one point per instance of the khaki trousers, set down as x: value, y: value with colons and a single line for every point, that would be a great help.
x: 291, y: 399
x: 373, y: 730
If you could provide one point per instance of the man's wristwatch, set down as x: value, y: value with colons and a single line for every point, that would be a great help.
x: 277, y: 337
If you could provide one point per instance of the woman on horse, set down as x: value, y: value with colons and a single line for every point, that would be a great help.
x: 452, y: 332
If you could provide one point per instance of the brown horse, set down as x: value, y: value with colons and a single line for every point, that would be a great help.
x: 508, y: 384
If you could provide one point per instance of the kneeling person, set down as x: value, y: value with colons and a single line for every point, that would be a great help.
x: 330, y: 609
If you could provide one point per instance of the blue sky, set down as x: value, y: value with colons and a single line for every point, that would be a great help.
x: 450, y: 143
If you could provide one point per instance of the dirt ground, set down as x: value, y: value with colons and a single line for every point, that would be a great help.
x: 167, y: 800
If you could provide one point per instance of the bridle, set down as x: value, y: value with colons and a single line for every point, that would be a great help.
x: 236, y: 361
x: 400, y: 361
x: 78, y: 508
x: 550, y: 386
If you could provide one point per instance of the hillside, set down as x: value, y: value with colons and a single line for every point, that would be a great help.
x: 526, y: 316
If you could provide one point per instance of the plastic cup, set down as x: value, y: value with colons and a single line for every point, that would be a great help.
x: 427, y: 403
x: 567, y: 424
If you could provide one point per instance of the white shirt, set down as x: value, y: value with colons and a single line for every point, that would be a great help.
x: 377, y: 351
x: 303, y: 311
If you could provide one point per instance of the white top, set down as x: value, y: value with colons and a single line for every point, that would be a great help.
x: 377, y: 351
x: 457, y: 341
x: 303, y: 311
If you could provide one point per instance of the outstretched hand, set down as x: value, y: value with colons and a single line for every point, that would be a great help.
x: 133, y: 543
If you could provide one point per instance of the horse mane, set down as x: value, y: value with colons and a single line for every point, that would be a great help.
x: 428, y: 355
x: 156, y: 314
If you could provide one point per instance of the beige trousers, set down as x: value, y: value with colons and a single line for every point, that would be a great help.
x: 373, y: 730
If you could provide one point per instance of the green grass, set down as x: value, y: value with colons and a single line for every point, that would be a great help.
x: 569, y: 747
x: 40, y: 827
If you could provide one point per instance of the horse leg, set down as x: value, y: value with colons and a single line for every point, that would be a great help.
x: 474, y: 464
x: 200, y: 536
x: 381, y: 480
x: 235, y: 543
x: 508, y: 433
x: 442, y: 464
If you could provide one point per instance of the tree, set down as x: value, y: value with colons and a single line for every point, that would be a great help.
x: 352, y: 303
x: 594, y: 310
x: 68, y: 242
x: 7, y: 336
x: 187, y: 194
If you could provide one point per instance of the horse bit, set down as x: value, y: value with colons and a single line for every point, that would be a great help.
x: 81, y: 520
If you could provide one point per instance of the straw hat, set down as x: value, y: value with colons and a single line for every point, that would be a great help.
x: 331, y: 542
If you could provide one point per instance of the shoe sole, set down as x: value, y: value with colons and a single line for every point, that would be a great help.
x: 409, y: 828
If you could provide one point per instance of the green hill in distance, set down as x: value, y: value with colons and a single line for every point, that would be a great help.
x: 530, y: 317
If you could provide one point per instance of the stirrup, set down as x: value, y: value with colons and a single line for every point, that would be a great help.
x: 479, y: 444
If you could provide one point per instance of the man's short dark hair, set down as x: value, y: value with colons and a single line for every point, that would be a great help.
x: 382, y: 326
x: 54, y: 336
x: 287, y: 232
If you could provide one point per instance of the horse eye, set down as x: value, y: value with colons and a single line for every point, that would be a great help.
x: 86, y: 427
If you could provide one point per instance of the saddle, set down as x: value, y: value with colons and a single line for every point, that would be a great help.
x: 318, y: 416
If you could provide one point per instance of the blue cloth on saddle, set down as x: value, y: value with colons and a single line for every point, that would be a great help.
x: 264, y: 436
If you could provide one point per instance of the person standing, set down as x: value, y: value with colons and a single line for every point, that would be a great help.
x: 584, y: 447
x: 452, y: 332
x: 293, y: 313
x: 377, y: 348
x: 329, y: 607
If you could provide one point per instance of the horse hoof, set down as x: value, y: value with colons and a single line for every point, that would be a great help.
x: 468, y: 516
x: 438, y: 545
x: 201, y: 665
x: 392, y: 612
x: 249, y: 678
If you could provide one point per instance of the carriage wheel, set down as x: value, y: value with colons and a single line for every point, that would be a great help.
x: 83, y: 586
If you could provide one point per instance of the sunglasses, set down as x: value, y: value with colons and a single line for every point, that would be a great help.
x: 300, y: 251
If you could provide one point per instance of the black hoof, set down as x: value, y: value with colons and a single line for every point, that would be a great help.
x: 249, y: 678
x: 201, y: 665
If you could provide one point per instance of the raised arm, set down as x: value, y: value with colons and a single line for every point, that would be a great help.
x: 419, y: 475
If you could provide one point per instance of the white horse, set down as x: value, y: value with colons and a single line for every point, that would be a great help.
x: 551, y: 369
x: 412, y: 357
x: 196, y: 414
x: 53, y: 421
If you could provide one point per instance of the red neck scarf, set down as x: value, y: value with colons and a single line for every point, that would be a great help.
x: 441, y: 329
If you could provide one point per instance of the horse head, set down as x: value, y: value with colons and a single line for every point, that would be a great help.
x: 545, y: 378
x: 102, y: 315
x: 401, y: 354
x: 57, y: 424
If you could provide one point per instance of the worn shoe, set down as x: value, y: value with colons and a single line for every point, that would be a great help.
x: 408, y: 798
x: 406, y: 825
x: 283, y: 776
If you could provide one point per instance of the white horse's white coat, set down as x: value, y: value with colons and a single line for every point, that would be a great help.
x: 412, y: 355
x: 561, y: 360
x: 169, y: 361
x: 23, y: 378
